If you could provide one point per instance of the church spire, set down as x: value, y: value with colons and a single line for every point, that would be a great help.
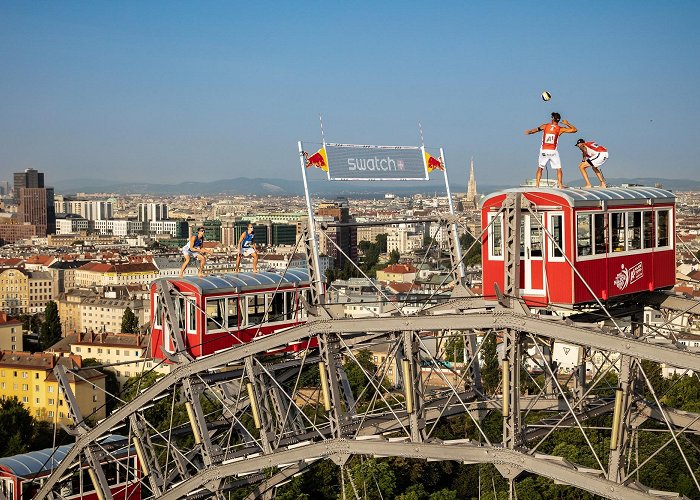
x: 471, y: 188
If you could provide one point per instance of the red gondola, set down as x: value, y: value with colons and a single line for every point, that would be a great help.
x: 22, y: 475
x: 608, y: 242
x: 218, y: 312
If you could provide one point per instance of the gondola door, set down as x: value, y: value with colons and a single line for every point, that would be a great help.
x: 532, y: 281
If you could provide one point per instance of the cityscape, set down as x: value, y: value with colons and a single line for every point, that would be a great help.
x: 349, y: 251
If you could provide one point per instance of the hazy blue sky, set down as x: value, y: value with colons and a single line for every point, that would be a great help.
x: 168, y: 91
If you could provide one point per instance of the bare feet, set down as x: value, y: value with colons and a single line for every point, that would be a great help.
x: 603, y: 185
x: 588, y: 187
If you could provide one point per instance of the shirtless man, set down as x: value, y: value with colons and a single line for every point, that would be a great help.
x: 548, y: 149
x: 594, y: 155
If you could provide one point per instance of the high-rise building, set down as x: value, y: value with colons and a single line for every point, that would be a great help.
x: 153, y: 211
x: 345, y: 237
x: 30, y: 178
x: 36, y: 207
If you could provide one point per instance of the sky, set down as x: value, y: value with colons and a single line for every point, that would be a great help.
x: 175, y: 91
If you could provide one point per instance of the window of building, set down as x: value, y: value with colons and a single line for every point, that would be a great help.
x: 25, y: 399
x: 583, y: 234
x: 37, y: 400
x: 77, y: 349
x: 52, y: 401
x: 36, y: 388
x: 495, y: 235
x: 191, y: 316
x: 216, y: 319
x: 2, y: 385
x: 36, y: 375
x: 50, y: 388
x: 634, y: 230
x: 25, y: 374
x: 278, y: 307
x: 556, y: 228
x: 25, y: 387
x: 255, y: 308
x: 99, y: 351
x: 617, y: 231
x: 118, y: 352
x: 663, y: 228
x: 50, y: 413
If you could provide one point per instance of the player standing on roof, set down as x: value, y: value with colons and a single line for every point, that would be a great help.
x: 548, y: 150
x: 594, y: 155
x: 195, y: 248
x: 246, y: 247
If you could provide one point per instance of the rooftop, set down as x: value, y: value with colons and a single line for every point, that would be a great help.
x: 594, y: 196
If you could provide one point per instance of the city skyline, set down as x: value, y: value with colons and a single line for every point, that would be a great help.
x: 173, y: 92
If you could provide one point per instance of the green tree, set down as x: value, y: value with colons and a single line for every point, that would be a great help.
x: 372, y: 478
x: 51, y: 328
x: 394, y: 257
x: 381, y: 242
x: 16, y: 427
x: 111, y: 383
x: 354, y: 371
x: 130, y: 323
x: 490, y: 369
x: 454, y: 348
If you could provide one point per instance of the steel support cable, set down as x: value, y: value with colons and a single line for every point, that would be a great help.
x: 462, y: 378
x: 573, y: 414
x: 371, y: 381
x: 663, y: 446
x: 565, y: 416
x: 233, y: 418
x: 294, y: 391
x: 425, y: 255
x: 291, y: 400
x: 363, y: 273
x: 668, y: 424
x: 284, y: 273
x: 454, y: 390
x: 384, y: 371
x: 571, y: 264
x: 481, y: 235
x: 170, y: 432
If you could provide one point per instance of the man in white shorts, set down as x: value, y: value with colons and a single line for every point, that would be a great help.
x: 594, y: 155
x: 549, y: 156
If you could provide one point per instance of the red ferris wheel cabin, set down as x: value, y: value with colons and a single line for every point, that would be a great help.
x: 218, y: 312
x: 611, y: 242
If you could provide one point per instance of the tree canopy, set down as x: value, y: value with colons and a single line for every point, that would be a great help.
x: 51, y: 328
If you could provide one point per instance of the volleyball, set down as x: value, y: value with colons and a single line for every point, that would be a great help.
x: 546, y: 96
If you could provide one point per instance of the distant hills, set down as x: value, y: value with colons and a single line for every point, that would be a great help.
x: 263, y: 186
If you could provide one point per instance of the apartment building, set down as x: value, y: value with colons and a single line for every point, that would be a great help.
x: 25, y: 292
x: 106, y: 274
x: 111, y: 348
x: 10, y: 334
x: 30, y: 379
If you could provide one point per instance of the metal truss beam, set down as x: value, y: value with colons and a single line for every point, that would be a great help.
x: 511, y: 462
x: 500, y: 319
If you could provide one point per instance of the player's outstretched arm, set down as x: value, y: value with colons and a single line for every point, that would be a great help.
x: 569, y: 129
x: 534, y: 130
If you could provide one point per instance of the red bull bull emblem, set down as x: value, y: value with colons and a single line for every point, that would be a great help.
x: 318, y: 159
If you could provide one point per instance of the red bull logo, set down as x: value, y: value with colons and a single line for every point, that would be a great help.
x: 318, y: 159
x: 433, y: 163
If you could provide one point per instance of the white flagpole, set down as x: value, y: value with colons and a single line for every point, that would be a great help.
x: 312, y: 223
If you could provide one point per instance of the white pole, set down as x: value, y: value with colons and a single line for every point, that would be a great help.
x: 461, y: 271
x: 312, y: 223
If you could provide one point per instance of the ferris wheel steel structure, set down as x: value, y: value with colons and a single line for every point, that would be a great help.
x: 265, y: 428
